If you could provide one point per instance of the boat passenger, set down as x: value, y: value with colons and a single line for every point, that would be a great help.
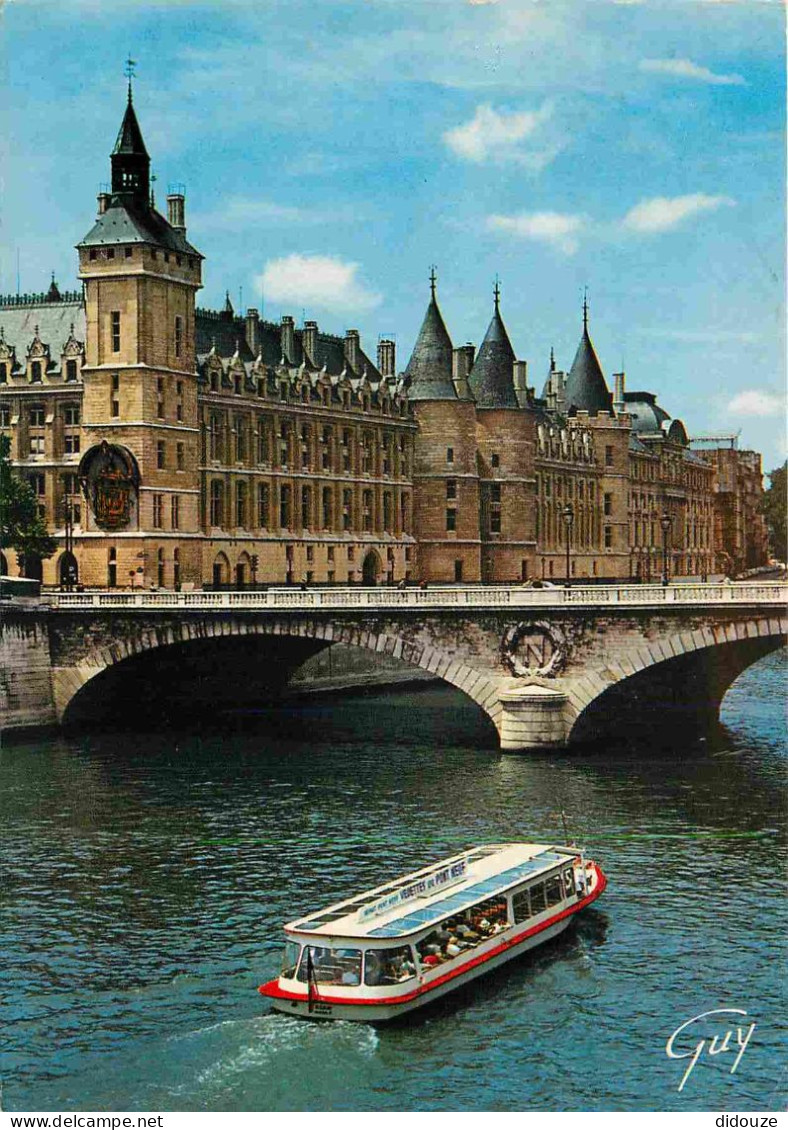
x: 431, y: 959
x: 452, y: 948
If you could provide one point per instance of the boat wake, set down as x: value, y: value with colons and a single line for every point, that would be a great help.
x: 263, y: 1043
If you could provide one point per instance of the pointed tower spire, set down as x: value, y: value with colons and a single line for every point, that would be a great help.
x: 552, y: 359
x: 492, y: 375
x: 429, y: 370
x: 130, y: 160
x: 586, y: 387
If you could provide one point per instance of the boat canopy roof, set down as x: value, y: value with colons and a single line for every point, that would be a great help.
x: 426, y: 897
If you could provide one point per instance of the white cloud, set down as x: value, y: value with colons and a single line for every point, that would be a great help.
x: 238, y: 213
x: 685, y: 68
x: 501, y: 135
x: 317, y: 280
x: 561, y: 230
x: 661, y: 213
x: 753, y: 402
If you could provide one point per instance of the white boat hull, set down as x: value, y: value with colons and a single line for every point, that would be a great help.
x: 374, y: 1013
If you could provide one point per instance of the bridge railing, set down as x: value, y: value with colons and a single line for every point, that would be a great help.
x: 436, y: 597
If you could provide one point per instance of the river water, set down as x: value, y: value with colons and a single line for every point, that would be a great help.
x: 145, y: 879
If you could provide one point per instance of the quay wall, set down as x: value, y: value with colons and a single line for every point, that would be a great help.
x: 26, y: 696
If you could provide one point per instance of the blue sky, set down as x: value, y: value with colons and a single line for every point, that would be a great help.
x: 332, y: 151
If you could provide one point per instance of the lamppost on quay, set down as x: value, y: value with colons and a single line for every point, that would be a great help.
x: 568, y: 516
x: 68, y: 568
x: 665, y: 522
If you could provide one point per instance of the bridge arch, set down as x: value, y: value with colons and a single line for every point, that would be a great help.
x: 69, y: 682
x: 689, y: 670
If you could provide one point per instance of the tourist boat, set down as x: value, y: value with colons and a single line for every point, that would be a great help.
x: 407, y: 943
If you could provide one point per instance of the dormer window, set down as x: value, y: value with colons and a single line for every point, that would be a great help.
x: 237, y: 384
x: 3, y: 373
x: 71, y: 370
x: 214, y: 381
x: 35, y: 372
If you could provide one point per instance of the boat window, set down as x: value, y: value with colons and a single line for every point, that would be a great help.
x: 290, y: 959
x: 337, y: 966
x: 388, y: 966
x: 538, y: 903
x: 569, y: 883
x: 521, y: 906
x: 464, y: 931
x: 553, y: 890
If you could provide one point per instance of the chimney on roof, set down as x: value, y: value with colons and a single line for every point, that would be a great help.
x: 352, y: 347
x: 253, y: 330
x: 462, y: 363
x: 387, y: 357
x: 176, y: 211
x: 618, y: 396
x: 309, y: 339
x: 288, y: 339
x: 520, y: 377
x: 103, y: 199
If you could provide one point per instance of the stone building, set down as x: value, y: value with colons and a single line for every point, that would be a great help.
x: 174, y: 446
x: 503, y: 478
x: 741, y: 538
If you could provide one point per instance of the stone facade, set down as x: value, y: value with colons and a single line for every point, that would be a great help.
x: 171, y: 446
x: 741, y: 539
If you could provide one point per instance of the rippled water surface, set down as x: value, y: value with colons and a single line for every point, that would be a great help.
x: 145, y: 880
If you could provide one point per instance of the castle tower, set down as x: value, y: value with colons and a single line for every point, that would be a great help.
x: 141, y: 439
x: 445, y: 477
x: 586, y: 388
x: 505, y: 442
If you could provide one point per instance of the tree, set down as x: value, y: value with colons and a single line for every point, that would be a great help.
x: 774, y: 511
x: 21, y: 526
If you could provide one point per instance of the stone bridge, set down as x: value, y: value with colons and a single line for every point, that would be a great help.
x: 548, y: 666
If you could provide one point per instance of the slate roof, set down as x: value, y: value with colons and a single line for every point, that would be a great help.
x: 647, y: 416
x: 130, y: 135
x: 430, y: 367
x: 586, y: 388
x: 54, y: 326
x: 128, y: 223
x: 229, y: 333
x: 492, y: 375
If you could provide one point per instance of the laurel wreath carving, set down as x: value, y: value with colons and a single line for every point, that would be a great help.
x: 534, y: 649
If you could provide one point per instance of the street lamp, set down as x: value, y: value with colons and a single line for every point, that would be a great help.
x: 665, y: 522
x: 568, y: 516
x: 68, y: 568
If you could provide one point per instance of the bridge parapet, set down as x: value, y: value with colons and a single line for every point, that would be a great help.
x: 773, y: 593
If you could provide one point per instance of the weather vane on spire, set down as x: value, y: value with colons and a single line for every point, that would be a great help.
x: 497, y: 292
x: 129, y: 72
x: 433, y: 279
x: 585, y: 307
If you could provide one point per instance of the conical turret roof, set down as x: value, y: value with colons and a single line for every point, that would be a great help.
x: 492, y: 375
x: 130, y: 134
x: 430, y: 367
x: 586, y: 387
